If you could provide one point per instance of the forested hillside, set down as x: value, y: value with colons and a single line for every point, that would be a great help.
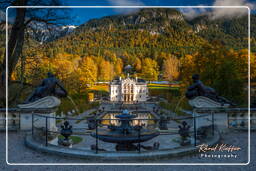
x: 160, y: 44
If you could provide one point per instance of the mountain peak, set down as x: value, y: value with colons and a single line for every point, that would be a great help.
x: 144, y: 18
x: 43, y: 35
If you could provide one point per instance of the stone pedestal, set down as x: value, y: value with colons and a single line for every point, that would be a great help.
x: 40, y: 120
x: 220, y: 120
x: 204, y: 102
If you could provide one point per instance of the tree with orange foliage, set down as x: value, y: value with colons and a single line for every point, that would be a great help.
x: 118, y: 67
x: 106, y: 71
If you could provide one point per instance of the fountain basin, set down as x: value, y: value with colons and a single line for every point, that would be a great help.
x: 125, y: 135
x: 117, y: 137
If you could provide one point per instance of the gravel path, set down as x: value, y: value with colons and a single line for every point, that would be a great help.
x: 19, y: 153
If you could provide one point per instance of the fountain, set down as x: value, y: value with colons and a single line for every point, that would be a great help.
x: 125, y: 135
x: 178, y: 104
x: 73, y: 103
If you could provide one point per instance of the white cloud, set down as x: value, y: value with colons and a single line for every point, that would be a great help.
x: 126, y: 3
x: 230, y: 12
x: 191, y: 13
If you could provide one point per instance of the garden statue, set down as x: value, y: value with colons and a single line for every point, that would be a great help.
x: 199, y: 89
x: 184, y: 133
x: 50, y: 86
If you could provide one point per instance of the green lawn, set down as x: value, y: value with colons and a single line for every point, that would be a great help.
x: 163, y: 88
x: 99, y: 87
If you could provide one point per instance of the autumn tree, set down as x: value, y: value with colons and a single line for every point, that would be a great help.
x: 106, y: 71
x: 187, y: 67
x: 242, y: 55
x: 137, y: 65
x: 110, y: 56
x: 150, y: 69
x: 62, y: 68
x: 219, y: 68
x: 118, y: 67
x: 25, y: 18
x: 171, y: 68
x: 87, y: 71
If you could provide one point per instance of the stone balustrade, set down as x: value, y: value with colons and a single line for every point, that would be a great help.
x: 20, y: 118
x: 231, y: 117
x: 22, y: 115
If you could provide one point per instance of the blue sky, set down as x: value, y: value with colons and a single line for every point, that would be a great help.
x: 81, y: 15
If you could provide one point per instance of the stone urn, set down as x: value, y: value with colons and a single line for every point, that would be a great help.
x: 163, y: 122
x: 184, y: 133
x: 66, y: 132
x: 91, y: 122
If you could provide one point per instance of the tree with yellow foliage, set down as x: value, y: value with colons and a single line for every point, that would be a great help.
x: 137, y: 65
x: 87, y: 71
x: 150, y: 69
x: 110, y: 56
x: 106, y: 71
x: 187, y: 66
x: 62, y: 68
x: 118, y: 67
x: 171, y: 68
x: 219, y: 68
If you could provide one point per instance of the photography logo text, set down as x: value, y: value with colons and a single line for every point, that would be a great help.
x: 218, y: 151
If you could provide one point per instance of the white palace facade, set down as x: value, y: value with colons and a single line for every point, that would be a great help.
x: 128, y: 90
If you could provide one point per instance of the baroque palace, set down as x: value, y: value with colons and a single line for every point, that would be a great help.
x: 128, y: 90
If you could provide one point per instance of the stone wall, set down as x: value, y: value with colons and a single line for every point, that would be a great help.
x: 21, y: 117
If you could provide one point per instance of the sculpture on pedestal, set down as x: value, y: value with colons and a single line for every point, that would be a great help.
x: 50, y: 86
x: 199, y: 89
